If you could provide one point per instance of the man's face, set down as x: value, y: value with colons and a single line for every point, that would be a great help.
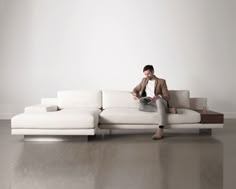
x: 148, y: 74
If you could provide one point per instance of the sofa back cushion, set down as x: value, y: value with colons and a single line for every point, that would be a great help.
x: 118, y: 99
x: 198, y: 103
x: 179, y: 98
x: 79, y: 98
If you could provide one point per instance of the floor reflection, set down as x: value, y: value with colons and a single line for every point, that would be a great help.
x: 127, y: 161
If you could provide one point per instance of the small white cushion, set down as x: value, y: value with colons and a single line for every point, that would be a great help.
x: 40, y: 108
x: 134, y: 116
x: 179, y: 98
x: 118, y: 99
x: 81, y: 118
x: 79, y: 98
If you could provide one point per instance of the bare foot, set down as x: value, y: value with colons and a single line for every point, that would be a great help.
x: 159, y: 134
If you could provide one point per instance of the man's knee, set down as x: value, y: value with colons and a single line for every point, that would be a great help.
x: 159, y: 102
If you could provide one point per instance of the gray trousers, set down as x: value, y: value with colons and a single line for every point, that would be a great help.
x: 160, y: 105
x: 162, y: 110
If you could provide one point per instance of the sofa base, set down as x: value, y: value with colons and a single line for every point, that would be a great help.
x: 55, y: 138
x: 53, y: 131
x: 169, y: 126
x: 205, y: 131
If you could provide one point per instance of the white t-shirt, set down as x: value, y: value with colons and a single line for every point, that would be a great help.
x: 150, y: 88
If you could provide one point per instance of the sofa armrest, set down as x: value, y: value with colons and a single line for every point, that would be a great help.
x: 40, y: 108
x: 198, y: 103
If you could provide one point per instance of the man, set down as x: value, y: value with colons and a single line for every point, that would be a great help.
x: 156, y: 88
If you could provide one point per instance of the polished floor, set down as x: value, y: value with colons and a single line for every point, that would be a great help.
x: 132, y: 161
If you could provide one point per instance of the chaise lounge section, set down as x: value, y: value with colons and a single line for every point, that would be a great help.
x: 71, y: 113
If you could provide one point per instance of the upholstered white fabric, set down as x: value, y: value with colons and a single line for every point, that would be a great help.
x: 134, y: 116
x: 79, y: 98
x: 80, y: 118
x: 118, y: 99
x: 184, y: 116
x: 179, y: 98
x: 198, y: 103
x: 40, y: 108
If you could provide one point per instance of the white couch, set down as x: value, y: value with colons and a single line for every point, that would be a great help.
x: 83, y: 112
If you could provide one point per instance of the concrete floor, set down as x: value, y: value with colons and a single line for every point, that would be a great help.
x: 132, y: 161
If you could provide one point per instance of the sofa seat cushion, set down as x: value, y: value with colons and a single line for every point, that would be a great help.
x: 134, y: 116
x: 79, y: 118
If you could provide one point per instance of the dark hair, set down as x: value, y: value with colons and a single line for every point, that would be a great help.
x: 148, y: 67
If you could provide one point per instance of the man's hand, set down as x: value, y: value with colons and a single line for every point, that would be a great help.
x: 135, y: 96
x: 155, y: 98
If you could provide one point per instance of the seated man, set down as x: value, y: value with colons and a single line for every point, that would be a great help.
x: 155, y: 88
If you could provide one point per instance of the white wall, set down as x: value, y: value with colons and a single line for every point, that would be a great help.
x: 50, y: 45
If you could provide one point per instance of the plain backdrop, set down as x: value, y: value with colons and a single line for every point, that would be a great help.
x: 51, y: 45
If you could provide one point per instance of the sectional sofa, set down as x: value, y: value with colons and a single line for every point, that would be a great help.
x: 84, y: 112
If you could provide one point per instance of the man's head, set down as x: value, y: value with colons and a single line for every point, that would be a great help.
x: 148, y: 71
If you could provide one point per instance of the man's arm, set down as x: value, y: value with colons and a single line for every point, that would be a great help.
x: 165, y: 92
